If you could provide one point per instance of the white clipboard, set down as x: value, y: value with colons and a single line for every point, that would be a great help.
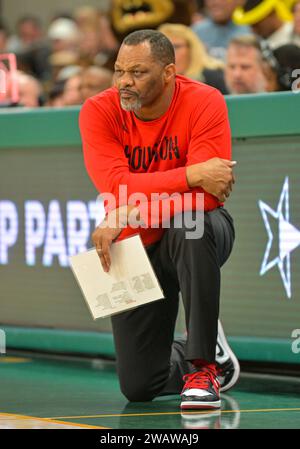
x: 130, y: 282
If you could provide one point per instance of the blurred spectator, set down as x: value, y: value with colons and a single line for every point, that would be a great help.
x: 217, y: 29
x: 31, y: 48
x: 3, y: 37
x: 270, y: 67
x: 87, y: 19
x: 56, y: 95
x: 29, y: 33
x: 30, y: 91
x: 86, y: 16
x: 62, y: 59
x: 192, y: 59
x: 282, y: 67
x: 288, y: 75
x: 98, y: 44
x: 35, y: 61
x: 296, y: 30
x: 64, y: 35
x: 244, y: 70
x: 94, y: 80
x: 269, y: 23
x: 72, y: 94
x: 61, y: 15
x: 67, y: 72
x: 199, y: 13
x: 89, y: 46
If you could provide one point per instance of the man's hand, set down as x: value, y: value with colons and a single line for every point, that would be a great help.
x: 110, y: 228
x: 215, y: 176
x: 102, y: 237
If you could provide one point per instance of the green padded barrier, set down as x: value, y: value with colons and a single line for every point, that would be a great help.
x: 101, y: 344
x: 41, y: 167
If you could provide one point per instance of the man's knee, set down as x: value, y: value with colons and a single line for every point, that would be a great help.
x: 142, y: 388
x: 189, y: 225
x: 137, y: 392
x: 191, y: 230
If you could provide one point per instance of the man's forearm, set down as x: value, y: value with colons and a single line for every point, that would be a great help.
x: 121, y: 217
x: 215, y: 176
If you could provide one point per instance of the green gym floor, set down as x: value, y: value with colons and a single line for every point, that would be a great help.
x: 58, y: 392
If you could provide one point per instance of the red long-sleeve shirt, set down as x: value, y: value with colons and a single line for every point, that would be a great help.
x: 150, y: 156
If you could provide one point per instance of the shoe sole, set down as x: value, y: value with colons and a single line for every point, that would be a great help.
x: 194, y: 405
x: 233, y: 358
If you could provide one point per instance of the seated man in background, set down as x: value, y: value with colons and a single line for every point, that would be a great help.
x: 244, y: 69
x: 156, y: 132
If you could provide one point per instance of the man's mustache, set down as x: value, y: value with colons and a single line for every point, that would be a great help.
x: 126, y: 91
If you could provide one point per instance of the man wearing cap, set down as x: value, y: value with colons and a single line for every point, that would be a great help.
x: 64, y: 35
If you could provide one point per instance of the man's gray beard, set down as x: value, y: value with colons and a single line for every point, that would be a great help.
x: 131, y: 106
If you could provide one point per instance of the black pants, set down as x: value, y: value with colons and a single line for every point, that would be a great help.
x: 149, y: 362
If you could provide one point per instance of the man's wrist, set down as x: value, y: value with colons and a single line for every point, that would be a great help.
x: 133, y: 215
x: 122, y: 217
x: 194, y: 175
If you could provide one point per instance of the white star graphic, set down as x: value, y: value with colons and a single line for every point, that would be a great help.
x: 289, y: 237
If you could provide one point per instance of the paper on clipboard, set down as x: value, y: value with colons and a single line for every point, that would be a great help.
x: 130, y: 282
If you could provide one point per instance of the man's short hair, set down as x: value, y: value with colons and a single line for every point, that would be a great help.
x: 246, y: 40
x: 264, y: 51
x: 161, y: 47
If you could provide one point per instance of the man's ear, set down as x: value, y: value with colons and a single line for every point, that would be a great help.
x: 170, y: 72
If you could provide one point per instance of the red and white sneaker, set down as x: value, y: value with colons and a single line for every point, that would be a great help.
x: 201, y: 389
